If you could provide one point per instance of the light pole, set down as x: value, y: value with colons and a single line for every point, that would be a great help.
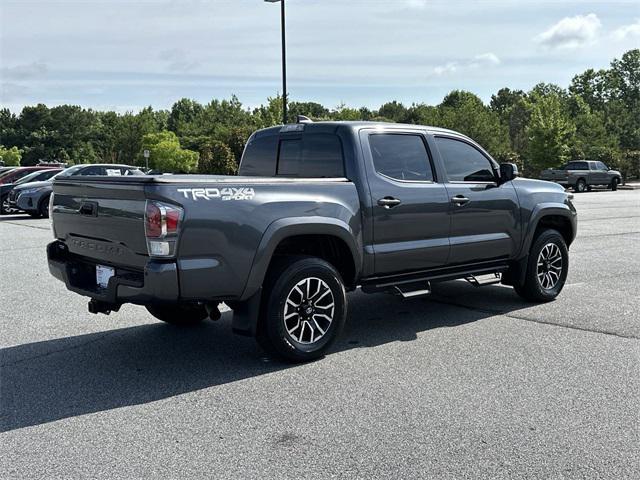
x: 284, y: 60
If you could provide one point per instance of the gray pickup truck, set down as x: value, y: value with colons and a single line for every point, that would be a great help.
x: 318, y: 209
x: 581, y: 175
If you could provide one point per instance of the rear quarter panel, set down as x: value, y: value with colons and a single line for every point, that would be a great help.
x: 231, y: 222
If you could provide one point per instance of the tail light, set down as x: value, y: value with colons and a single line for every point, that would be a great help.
x: 161, y: 227
x: 51, y: 215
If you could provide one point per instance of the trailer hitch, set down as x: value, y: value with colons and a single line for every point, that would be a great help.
x: 98, y: 306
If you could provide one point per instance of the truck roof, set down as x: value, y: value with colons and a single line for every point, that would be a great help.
x: 332, y: 125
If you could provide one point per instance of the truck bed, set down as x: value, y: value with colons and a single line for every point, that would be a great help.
x: 101, y: 221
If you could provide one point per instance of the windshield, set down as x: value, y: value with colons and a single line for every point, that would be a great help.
x: 30, y: 177
x: 7, y: 172
x: 69, y: 171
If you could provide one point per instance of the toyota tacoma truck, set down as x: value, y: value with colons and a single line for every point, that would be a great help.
x: 581, y: 175
x: 317, y: 210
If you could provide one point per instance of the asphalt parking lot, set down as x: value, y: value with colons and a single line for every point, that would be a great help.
x: 468, y: 383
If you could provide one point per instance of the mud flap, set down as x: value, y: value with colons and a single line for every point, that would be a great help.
x: 246, y: 315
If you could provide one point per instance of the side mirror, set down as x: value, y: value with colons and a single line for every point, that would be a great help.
x: 508, y: 171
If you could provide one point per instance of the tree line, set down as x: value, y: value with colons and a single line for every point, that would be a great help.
x: 597, y: 117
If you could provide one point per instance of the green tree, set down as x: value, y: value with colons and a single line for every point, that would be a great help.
x: 218, y: 159
x: 166, y: 154
x: 394, y: 111
x: 549, y: 132
x: 593, y: 86
x: 465, y: 112
x: 421, y: 114
x: 510, y: 156
x: 342, y: 112
x: 313, y: 110
x: 10, y: 156
x: 183, y: 115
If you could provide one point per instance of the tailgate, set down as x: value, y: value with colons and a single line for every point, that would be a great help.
x: 102, y: 218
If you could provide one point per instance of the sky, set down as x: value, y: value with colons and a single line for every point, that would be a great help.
x: 125, y: 55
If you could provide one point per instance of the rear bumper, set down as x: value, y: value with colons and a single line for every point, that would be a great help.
x: 157, y: 283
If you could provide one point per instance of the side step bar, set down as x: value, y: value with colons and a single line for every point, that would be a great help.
x: 404, y: 283
x: 412, y: 293
x: 482, y: 280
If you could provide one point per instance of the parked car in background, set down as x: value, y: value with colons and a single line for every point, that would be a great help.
x: 37, y: 176
x: 33, y: 197
x: 15, y: 174
x: 4, y: 170
x: 583, y: 174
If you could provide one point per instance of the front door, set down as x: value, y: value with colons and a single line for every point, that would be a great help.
x: 409, y: 208
x: 485, y: 214
x: 600, y: 174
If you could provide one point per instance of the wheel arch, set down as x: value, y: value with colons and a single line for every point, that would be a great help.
x: 557, y: 216
x: 330, y: 239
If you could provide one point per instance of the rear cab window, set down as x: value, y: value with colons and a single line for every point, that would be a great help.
x: 295, y: 155
x: 313, y: 155
x: 577, y: 166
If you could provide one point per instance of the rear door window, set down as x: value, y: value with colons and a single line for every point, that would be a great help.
x: 401, y: 157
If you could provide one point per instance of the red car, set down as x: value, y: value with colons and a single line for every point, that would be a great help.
x: 11, y: 176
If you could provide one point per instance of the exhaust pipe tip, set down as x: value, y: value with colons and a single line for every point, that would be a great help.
x: 213, y: 311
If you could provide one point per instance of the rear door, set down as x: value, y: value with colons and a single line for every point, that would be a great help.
x: 409, y: 207
x: 484, y: 213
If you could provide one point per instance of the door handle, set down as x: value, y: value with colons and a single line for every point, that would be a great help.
x: 88, y: 208
x: 389, y: 202
x: 460, y: 200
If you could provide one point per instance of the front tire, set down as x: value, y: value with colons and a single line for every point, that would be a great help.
x: 547, y: 268
x: 304, y: 309
x: 179, y: 315
x: 43, y: 207
x: 614, y: 184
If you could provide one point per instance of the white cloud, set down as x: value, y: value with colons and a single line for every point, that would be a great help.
x: 178, y: 60
x: 483, y: 60
x: 571, y: 32
x: 24, y: 71
x: 416, y: 3
x: 627, y: 31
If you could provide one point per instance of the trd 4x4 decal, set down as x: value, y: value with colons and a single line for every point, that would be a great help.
x: 227, y: 193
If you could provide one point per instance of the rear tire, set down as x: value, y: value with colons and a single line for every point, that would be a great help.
x: 580, y: 186
x: 179, y: 315
x: 303, y: 310
x: 547, y: 268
